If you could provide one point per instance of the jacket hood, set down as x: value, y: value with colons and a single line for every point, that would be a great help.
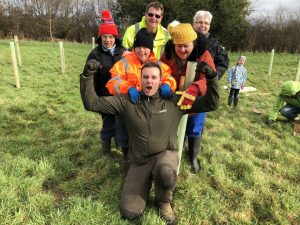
x: 290, y: 88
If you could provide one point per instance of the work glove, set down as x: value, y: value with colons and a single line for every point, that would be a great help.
x: 270, y: 122
x: 203, y: 67
x: 188, y: 97
x: 134, y: 94
x: 165, y: 91
x: 91, y: 67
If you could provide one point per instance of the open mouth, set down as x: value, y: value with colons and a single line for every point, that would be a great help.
x: 149, y: 88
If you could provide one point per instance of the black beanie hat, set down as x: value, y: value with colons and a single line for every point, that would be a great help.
x: 143, y: 38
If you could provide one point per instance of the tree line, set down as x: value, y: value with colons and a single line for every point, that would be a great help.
x: 78, y: 20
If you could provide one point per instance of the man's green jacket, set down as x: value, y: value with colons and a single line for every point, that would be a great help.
x: 152, y: 123
x: 159, y: 42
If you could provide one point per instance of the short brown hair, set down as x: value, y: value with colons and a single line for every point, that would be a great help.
x: 151, y: 65
x: 156, y: 5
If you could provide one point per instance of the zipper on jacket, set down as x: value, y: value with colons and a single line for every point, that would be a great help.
x: 149, y: 111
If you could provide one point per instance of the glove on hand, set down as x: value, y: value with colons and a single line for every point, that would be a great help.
x: 134, y: 94
x: 188, y: 97
x: 269, y: 122
x: 91, y: 67
x: 203, y: 67
x: 242, y: 87
x: 165, y: 91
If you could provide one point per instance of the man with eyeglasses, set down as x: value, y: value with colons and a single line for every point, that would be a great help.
x: 201, y: 23
x: 151, y: 20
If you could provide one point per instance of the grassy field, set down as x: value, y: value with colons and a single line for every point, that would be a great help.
x: 52, y: 172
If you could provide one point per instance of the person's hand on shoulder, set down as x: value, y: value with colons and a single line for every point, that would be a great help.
x: 134, y: 94
x: 165, y: 91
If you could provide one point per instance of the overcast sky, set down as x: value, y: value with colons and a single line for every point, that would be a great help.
x: 265, y: 7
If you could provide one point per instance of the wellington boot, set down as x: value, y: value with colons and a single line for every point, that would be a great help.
x: 106, y: 147
x: 125, y: 166
x: 186, y: 144
x: 235, y: 102
x: 194, y: 149
x: 230, y: 101
x: 167, y: 213
x: 125, y: 153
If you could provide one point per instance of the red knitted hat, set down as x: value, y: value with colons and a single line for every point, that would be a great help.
x: 107, y: 25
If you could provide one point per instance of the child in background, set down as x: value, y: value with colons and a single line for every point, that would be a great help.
x: 237, y: 77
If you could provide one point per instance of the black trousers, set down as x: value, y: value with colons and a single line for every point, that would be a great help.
x: 234, y: 93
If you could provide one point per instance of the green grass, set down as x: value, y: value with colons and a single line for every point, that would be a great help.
x: 52, y: 172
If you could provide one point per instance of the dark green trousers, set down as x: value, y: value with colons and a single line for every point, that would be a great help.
x: 161, y: 170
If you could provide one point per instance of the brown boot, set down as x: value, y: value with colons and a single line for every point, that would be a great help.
x: 125, y: 163
x: 167, y: 213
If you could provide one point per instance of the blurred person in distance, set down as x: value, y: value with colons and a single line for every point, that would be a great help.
x: 287, y: 102
x: 237, y: 76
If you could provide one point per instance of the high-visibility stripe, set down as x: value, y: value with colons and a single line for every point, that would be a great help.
x: 116, y: 86
x: 126, y: 64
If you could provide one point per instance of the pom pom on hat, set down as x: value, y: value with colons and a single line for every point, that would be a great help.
x: 183, y: 33
x: 107, y: 25
x: 171, y: 25
x: 143, y: 38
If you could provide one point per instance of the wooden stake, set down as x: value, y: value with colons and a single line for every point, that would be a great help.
x: 189, y: 78
x: 271, y: 62
x: 18, y: 51
x: 64, y: 62
x: 14, y: 62
x: 298, y: 72
x: 62, y: 57
x: 93, y: 42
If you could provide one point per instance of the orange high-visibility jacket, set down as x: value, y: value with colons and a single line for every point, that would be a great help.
x: 126, y: 73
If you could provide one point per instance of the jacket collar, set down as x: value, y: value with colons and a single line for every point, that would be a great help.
x: 154, y: 98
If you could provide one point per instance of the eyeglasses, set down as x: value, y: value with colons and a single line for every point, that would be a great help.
x: 152, y: 14
x: 203, y: 23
